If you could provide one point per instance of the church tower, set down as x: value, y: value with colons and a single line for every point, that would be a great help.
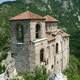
x: 27, y: 30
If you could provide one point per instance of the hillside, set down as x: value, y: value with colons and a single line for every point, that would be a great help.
x: 66, y: 11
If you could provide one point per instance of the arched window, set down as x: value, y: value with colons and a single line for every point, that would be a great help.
x: 57, y: 47
x: 19, y: 33
x: 42, y: 55
x: 38, y: 31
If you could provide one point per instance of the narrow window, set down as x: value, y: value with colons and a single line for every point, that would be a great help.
x: 38, y: 31
x: 19, y: 33
x: 42, y: 55
x: 57, y: 47
x: 52, y: 66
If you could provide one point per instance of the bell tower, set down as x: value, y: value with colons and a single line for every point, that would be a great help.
x: 26, y: 28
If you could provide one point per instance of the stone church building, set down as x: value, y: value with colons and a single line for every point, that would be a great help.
x: 36, y: 40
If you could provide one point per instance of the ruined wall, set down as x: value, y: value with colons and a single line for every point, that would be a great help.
x: 24, y: 53
x: 62, y: 57
x: 27, y: 54
x: 51, y: 26
x: 51, y: 56
x: 59, y: 56
x: 21, y: 51
x: 34, y: 41
x: 65, y: 52
x: 33, y: 24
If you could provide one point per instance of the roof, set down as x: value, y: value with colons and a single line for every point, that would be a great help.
x: 50, y: 37
x: 27, y: 15
x: 50, y: 18
x: 52, y: 34
x: 58, y: 31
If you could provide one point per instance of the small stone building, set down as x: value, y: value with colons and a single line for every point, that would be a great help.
x: 36, y: 40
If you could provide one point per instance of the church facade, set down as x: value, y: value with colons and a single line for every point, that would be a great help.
x: 36, y: 40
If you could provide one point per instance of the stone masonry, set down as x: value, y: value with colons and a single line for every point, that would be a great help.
x: 44, y: 44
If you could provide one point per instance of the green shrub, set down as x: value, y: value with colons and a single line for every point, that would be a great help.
x: 2, y: 69
x: 73, y: 71
x: 40, y: 73
x: 3, y: 56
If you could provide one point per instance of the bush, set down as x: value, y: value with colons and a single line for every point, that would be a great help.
x: 3, y: 56
x: 40, y: 73
x: 2, y: 69
x: 73, y: 71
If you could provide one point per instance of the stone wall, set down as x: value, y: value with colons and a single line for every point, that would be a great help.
x: 63, y: 54
x: 33, y: 39
x: 20, y: 51
x: 27, y: 54
x: 51, y: 56
x: 40, y: 44
x: 51, y: 26
x: 24, y: 53
x: 33, y: 24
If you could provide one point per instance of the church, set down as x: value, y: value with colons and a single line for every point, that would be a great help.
x: 37, y: 40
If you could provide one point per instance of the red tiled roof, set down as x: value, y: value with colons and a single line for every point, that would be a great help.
x: 58, y: 31
x: 27, y: 15
x: 52, y: 34
x: 50, y: 18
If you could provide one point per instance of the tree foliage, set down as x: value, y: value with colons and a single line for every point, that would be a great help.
x: 73, y: 72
